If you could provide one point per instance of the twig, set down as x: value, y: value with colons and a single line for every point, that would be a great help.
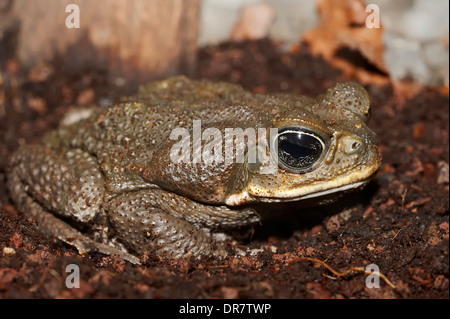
x: 342, y: 274
x: 403, y: 228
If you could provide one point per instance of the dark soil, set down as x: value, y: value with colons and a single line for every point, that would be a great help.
x: 399, y: 222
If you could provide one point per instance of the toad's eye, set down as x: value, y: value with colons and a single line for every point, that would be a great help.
x: 299, y: 149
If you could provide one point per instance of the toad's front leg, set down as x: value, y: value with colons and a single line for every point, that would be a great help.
x: 144, y: 225
x: 171, y: 225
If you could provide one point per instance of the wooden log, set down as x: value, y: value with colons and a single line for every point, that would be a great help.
x: 138, y: 39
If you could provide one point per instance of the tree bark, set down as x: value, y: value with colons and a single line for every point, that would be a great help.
x: 138, y: 39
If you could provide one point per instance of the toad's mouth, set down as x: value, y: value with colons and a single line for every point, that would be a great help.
x: 330, y: 191
x: 257, y: 193
x: 244, y: 197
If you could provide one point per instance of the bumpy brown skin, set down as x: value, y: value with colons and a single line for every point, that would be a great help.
x: 116, y: 163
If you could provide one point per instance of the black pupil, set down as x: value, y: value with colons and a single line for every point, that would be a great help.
x: 298, y: 150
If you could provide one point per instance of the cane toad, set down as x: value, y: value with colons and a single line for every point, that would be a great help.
x: 185, y: 158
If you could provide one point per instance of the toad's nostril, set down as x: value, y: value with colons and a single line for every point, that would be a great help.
x: 356, y: 145
x: 352, y: 145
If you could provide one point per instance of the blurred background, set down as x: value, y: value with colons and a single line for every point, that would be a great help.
x: 140, y: 40
x: 414, y: 38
